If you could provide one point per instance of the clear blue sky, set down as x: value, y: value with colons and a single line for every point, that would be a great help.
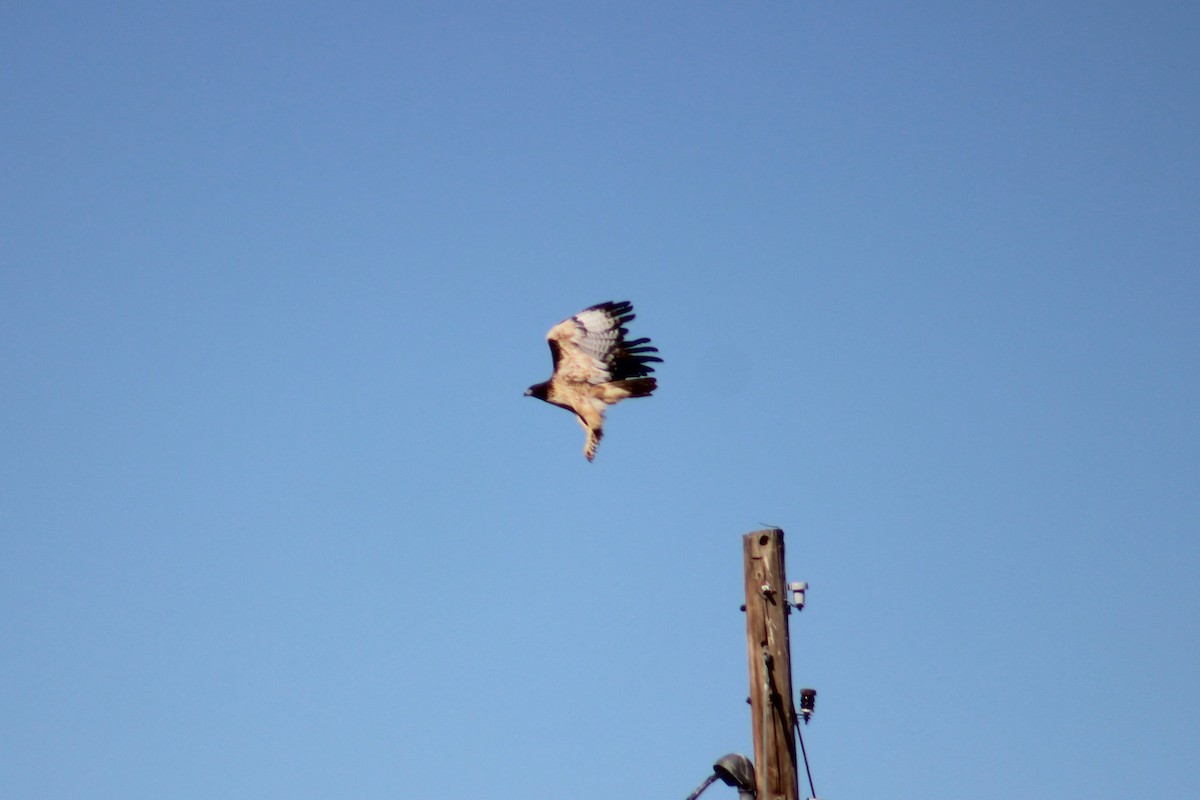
x: 276, y: 521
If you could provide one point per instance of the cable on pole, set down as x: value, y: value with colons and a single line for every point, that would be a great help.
x: 800, y: 736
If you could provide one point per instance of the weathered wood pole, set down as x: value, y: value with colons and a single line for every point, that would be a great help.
x: 767, y: 643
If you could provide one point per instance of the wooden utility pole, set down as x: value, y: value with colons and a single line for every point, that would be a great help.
x: 767, y: 643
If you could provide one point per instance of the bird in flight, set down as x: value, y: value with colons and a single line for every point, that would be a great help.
x: 596, y: 367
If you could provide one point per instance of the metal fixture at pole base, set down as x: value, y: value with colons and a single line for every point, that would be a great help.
x: 736, y: 770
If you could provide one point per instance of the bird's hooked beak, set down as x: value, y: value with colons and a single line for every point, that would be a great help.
x: 529, y: 392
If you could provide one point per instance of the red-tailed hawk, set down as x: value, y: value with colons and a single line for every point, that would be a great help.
x: 595, y: 367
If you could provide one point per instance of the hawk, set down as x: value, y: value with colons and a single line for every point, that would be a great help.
x: 595, y: 367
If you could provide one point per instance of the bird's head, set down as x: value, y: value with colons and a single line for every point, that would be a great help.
x: 538, y: 390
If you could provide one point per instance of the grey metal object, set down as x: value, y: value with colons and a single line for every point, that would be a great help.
x: 700, y: 789
x: 799, y: 591
x: 735, y: 770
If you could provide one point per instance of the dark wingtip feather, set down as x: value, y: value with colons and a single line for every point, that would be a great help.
x: 632, y: 359
x: 621, y: 311
x: 616, y: 308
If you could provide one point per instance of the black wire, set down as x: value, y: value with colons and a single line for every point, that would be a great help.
x: 796, y: 725
x: 777, y: 701
x: 804, y: 752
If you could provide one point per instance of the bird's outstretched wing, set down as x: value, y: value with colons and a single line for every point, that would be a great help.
x: 590, y: 347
